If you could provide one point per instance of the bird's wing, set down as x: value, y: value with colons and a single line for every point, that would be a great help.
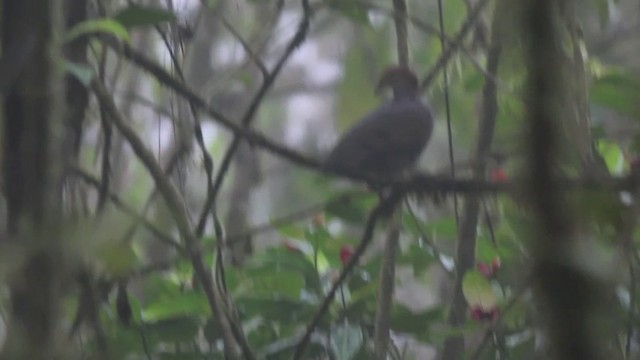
x: 387, y: 139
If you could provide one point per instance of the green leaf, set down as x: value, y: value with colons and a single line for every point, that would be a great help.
x: 189, y: 355
x: 285, y: 311
x: 437, y: 229
x: 346, y: 340
x: 137, y: 16
x: 618, y: 90
x: 107, y: 26
x: 273, y: 283
x: 116, y: 258
x: 419, y: 256
x: 179, y: 329
x: 292, y: 231
x: 477, y: 290
x: 353, y: 210
x: 351, y: 9
x: 190, y: 303
x: 601, y: 208
x: 612, y: 155
x: 406, y: 321
x: 82, y: 72
x: 318, y: 237
x: 278, y: 260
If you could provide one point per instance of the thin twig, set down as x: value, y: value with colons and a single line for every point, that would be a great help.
x: 429, y: 29
x: 495, y: 324
x: 175, y: 207
x: 471, y: 20
x: 383, y: 207
x: 249, y: 115
x: 466, y: 246
x: 176, y: 85
x: 234, y: 239
x: 119, y: 203
x: 388, y: 265
x: 434, y: 249
x: 419, y: 183
x: 386, y: 286
x: 245, y: 46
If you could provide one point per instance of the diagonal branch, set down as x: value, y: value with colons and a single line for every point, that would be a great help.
x: 172, y: 199
x: 449, y: 51
x: 183, y: 90
x: 384, y: 207
x: 249, y: 115
x: 119, y: 203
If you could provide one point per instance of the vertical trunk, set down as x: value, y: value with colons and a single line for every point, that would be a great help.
x: 31, y: 174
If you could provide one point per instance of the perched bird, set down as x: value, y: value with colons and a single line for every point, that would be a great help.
x: 389, y: 140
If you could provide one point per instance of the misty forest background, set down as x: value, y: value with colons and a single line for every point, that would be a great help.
x: 163, y: 196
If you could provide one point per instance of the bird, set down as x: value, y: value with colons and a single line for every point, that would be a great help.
x: 386, y: 142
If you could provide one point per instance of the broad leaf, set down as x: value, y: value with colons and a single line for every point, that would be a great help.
x: 137, y: 16
x: 107, y: 26
x: 346, y: 340
x: 619, y: 91
x: 190, y: 303
x: 477, y: 290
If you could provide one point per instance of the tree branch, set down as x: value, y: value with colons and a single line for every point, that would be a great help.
x: 466, y: 247
x: 384, y: 207
x: 449, y: 51
x: 388, y: 266
x: 249, y: 115
x: 119, y: 203
x: 174, y: 205
x: 571, y: 298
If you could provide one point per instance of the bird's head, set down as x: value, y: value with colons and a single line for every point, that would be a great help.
x: 402, y: 80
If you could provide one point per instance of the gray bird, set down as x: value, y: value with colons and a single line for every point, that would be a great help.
x: 389, y: 140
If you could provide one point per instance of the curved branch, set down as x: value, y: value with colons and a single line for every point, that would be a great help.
x: 249, y: 115
x: 384, y: 206
x: 175, y: 207
x: 449, y: 51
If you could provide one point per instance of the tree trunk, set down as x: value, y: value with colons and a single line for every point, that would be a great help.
x: 32, y: 109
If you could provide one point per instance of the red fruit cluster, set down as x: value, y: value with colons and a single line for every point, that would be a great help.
x: 489, y: 270
x: 291, y: 246
x: 346, y: 252
x: 498, y: 175
x: 478, y: 313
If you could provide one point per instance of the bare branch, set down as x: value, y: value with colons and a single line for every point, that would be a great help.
x: 383, y: 207
x: 249, y: 115
x: 458, y: 40
x: 466, y: 247
x: 172, y: 199
x: 119, y: 203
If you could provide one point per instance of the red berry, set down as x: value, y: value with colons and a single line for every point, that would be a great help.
x: 346, y: 252
x: 476, y: 313
x: 484, y: 269
x: 480, y: 314
x: 498, y: 175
